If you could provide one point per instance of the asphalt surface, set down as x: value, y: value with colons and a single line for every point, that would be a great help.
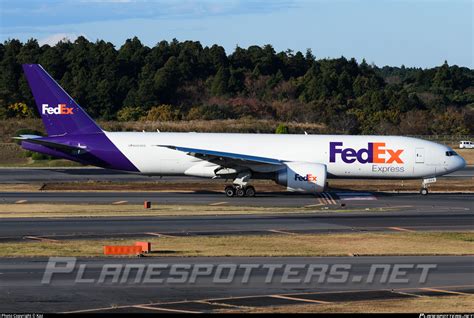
x: 278, y: 199
x: 22, y: 289
x: 468, y: 172
x: 34, y: 175
x: 38, y: 175
x: 418, y: 217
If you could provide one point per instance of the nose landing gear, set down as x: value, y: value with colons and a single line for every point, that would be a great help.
x: 425, y: 184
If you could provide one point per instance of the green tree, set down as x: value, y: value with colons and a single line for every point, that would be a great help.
x: 220, y: 83
x: 166, y: 81
x: 203, y: 82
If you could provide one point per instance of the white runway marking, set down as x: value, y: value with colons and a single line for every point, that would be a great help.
x: 167, y: 309
x: 401, y: 229
x: 444, y: 291
x: 356, y: 196
x: 281, y: 232
x: 300, y: 299
x: 159, y: 234
x: 119, y: 202
x: 327, y: 198
x: 218, y: 203
x: 42, y: 239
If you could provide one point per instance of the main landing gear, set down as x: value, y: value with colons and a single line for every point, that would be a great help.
x: 236, y: 190
x: 240, y: 188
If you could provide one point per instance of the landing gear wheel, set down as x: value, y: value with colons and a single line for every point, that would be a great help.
x: 250, y: 191
x: 240, y: 192
x: 229, y: 191
x: 424, y: 191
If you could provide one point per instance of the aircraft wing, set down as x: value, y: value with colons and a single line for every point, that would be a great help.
x: 226, y: 158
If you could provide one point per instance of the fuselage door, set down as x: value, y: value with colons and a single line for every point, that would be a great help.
x: 420, y: 155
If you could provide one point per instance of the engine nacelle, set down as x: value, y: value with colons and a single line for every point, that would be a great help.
x: 303, y: 177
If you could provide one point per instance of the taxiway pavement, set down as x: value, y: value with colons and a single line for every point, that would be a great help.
x: 17, y: 229
x: 22, y: 288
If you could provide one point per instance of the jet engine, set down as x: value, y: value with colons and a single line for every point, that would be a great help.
x: 303, y: 177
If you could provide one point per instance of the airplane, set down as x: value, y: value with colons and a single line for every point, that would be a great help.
x: 302, y: 163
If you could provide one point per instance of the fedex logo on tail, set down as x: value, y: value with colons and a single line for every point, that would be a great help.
x: 309, y: 178
x: 61, y: 109
x: 376, y: 152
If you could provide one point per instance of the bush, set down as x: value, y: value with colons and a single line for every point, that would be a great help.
x: 162, y: 113
x: 344, y: 124
x: 194, y: 114
x: 130, y: 113
x: 451, y: 122
x: 20, y: 110
x: 211, y: 112
x: 40, y: 156
x: 282, y: 129
x: 37, y: 156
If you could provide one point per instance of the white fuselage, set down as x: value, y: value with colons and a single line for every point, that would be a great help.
x: 382, y: 157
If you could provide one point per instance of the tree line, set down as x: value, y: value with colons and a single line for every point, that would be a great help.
x: 187, y: 81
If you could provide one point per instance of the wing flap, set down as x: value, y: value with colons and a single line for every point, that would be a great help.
x: 211, y: 155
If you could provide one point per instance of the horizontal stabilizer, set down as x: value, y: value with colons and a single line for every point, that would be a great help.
x: 25, y: 137
x: 53, y: 145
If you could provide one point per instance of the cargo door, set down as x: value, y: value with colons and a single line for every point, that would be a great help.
x: 420, y: 155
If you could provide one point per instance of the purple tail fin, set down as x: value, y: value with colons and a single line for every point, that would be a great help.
x: 60, y: 113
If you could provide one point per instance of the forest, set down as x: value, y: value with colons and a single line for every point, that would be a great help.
x: 186, y: 81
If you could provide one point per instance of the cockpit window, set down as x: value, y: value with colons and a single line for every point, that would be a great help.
x: 451, y: 153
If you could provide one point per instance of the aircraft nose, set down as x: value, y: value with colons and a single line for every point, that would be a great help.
x: 462, y: 163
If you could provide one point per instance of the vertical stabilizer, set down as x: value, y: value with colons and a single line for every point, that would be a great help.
x: 60, y: 113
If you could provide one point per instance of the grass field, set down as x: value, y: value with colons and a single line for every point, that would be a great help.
x: 467, y: 154
x: 445, y: 304
x: 59, y: 210
x: 11, y: 154
x: 96, y: 210
x: 336, y: 244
